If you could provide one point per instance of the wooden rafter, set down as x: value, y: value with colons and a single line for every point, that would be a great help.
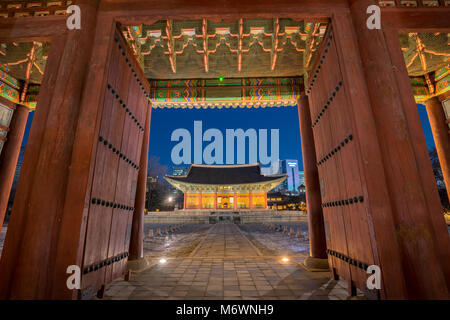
x: 274, y: 51
x: 430, y: 83
x: 171, y: 46
x: 420, y: 50
x: 132, y: 42
x: 205, y: 44
x: 311, y: 45
x: 30, y: 64
x: 409, y: 64
x: 241, y: 35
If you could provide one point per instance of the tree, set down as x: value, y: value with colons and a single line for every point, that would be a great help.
x: 439, y: 178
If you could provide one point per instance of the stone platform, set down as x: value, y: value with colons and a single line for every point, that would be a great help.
x: 237, y: 216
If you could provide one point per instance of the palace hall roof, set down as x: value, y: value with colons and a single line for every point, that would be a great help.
x: 225, y: 175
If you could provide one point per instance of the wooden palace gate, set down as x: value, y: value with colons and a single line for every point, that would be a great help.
x: 350, y: 244
x: 116, y: 167
x: 362, y: 228
x: 97, y: 237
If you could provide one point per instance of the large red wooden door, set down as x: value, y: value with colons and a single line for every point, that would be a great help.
x: 350, y: 198
x: 116, y: 166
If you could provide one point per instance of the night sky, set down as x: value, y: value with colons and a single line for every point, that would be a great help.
x: 164, y: 121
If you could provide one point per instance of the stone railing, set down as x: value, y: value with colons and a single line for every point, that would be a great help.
x: 213, y: 216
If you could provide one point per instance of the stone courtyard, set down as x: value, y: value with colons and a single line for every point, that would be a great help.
x: 227, y: 261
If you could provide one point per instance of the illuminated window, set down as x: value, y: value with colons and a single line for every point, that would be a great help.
x: 192, y: 200
x: 258, y: 200
x: 208, y: 200
x: 243, y: 200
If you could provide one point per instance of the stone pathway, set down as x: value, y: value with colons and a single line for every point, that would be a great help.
x: 225, y: 240
x: 229, y: 262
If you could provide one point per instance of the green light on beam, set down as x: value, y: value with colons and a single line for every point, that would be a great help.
x: 221, y: 79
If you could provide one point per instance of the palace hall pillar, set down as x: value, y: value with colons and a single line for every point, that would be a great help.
x: 441, y: 137
x: 136, y: 249
x: 10, y: 155
x: 265, y: 200
x: 317, y: 242
x: 413, y: 195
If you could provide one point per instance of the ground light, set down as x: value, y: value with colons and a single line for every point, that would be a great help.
x: 162, y: 261
x: 285, y: 259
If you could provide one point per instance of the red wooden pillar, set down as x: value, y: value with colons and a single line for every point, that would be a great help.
x: 410, y: 182
x: 440, y: 233
x: 250, y: 199
x: 441, y: 137
x: 10, y: 155
x: 136, y: 249
x: 265, y: 200
x: 316, y: 230
x: 215, y: 200
x: 184, y: 203
x: 200, y: 201
x: 235, y: 201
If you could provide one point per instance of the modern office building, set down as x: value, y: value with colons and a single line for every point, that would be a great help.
x: 179, y: 170
x: 301, y: 176
x: 290, y: 168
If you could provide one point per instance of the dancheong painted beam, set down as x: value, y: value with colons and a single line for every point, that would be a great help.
x: 225, y: 93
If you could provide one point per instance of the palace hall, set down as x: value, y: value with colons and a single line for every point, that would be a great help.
x: 225, y: 186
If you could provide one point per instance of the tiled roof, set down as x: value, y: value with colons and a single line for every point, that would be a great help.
x: 225, y: 174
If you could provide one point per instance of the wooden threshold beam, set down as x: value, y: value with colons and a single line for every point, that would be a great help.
x: 135, y: 12
x: 26, y: 29
x: 417, y: 19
